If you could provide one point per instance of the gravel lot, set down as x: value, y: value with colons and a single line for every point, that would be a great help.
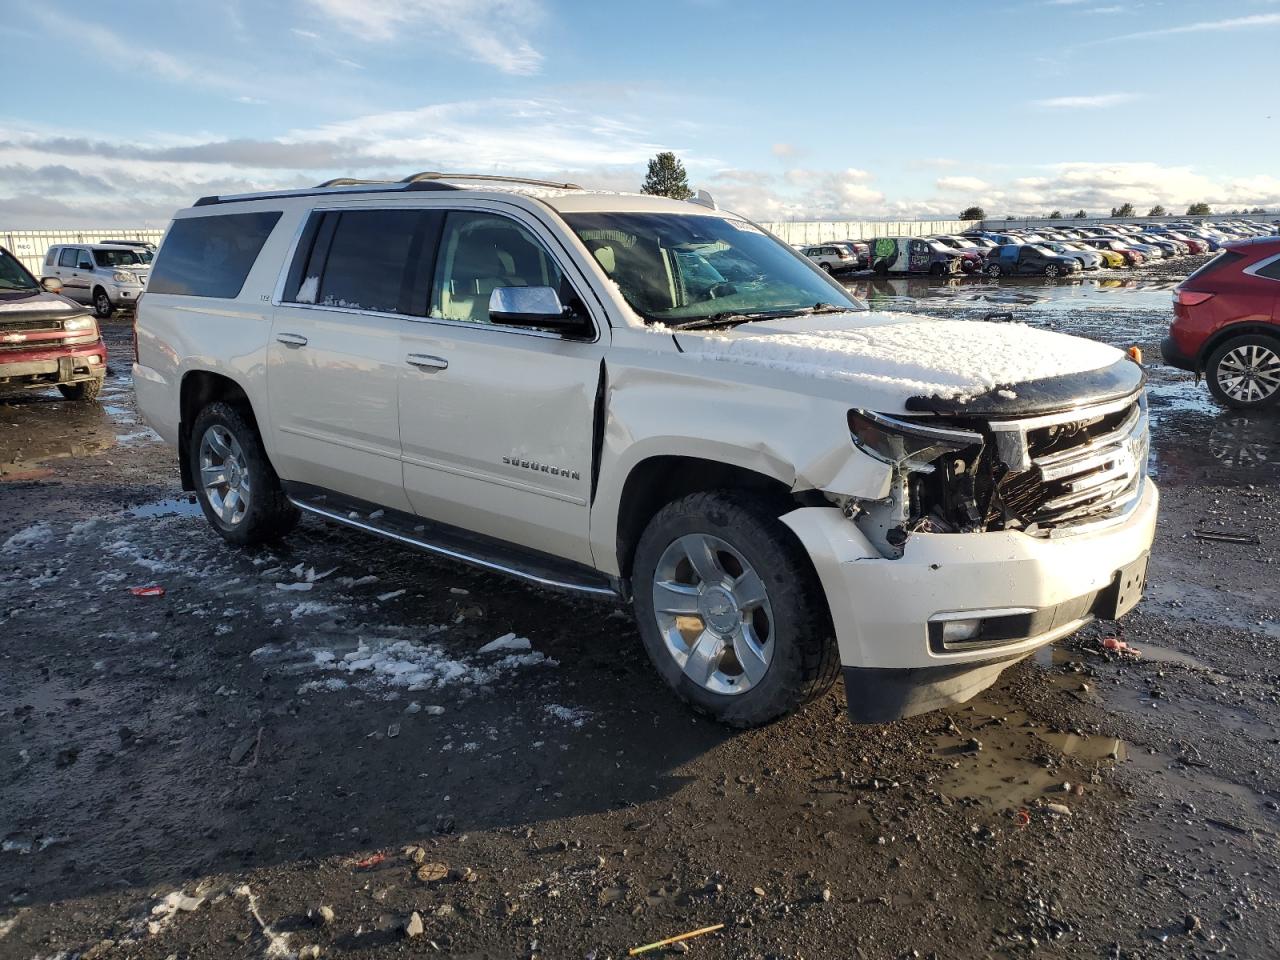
x: 197, y: 774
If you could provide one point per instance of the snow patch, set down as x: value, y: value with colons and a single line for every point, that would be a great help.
x: 574, y: 716
x: 39, y: 532
x: 508, y: 641
x: 913, y: 356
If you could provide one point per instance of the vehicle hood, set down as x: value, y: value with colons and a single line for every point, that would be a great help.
x: 899, y: 362
x: 22, y: 306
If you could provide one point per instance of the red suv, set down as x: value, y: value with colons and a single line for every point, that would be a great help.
x: 46, y: 340
x: 1226, y: 324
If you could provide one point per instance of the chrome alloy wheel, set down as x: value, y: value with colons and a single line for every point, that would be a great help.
x: 713, y: 612
x: 224, y: 474
x: 1249, y: 374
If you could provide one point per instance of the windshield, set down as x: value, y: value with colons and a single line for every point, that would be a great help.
x: 686, y: 268
x: 13, y: 275
x: 117, y: 258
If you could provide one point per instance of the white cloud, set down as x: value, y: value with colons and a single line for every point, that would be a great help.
x: 962, y: 184
x: 490, y: 31
x: 1204, y: 26
x: 1088, y: 102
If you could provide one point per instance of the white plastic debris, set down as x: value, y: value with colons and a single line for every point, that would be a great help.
x: 508, y: 641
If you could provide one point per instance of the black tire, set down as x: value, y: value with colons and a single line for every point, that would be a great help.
x: 993, y: 270
x: 935, y: 269
x: 826, y: 267
x: 84, y: 390
x: 805, y: 659
x: 269, y: 515
x: 1051, y: 270
x: 102, y: 305
x: 882, y: 269
x: 1267, y: 347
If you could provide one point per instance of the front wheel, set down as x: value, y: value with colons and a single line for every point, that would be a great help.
x: 1051, y: 270
x: 994, y: 270
x: 1244, y: 372
x: 102, y: 305
x: 826, y: 267
x: 730, y: 610
x: 238, y: 489
x: 84, y: 390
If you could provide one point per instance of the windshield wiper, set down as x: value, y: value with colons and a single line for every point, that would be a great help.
x: 732, y: 319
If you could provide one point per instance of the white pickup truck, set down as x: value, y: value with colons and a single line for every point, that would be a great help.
x: 655, y: 402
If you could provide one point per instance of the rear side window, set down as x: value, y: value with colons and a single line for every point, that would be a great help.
x: 211, y: 256
x: 68, y: 258
x: 377, y: 260
x: 1271, y: 271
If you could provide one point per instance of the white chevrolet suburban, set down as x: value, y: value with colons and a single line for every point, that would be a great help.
x: 658, y: 402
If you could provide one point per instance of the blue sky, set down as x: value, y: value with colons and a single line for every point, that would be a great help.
x: 120, y: 113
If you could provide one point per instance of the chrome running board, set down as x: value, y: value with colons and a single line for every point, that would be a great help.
x: 453, y: 543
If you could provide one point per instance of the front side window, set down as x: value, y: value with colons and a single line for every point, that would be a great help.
x: 13, y: 275
x: 480, y: 252
x: 211, y: 256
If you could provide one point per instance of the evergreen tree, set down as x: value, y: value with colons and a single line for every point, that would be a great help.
x: 1056, y: 215
x: 1199, y: 210
x: 1081, y: 215
x: 1157, y: 211
x: 666, y: 178
x: 1124, y: 211
x: 973, y: 213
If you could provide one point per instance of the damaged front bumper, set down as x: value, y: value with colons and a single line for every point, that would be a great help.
x: 938, y: 624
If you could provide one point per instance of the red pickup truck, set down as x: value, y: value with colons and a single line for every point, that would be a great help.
x: 46, y: 340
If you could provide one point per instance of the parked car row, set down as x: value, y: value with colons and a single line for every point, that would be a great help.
x: 1058, y: 251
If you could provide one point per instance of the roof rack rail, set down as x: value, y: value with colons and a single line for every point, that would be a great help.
x: 428, y: 175
x: 348, y: 182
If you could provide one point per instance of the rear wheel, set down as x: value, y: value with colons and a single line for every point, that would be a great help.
x: 238, y: 488
x: 1244, y: 372
x: 730, y: 610
x: 826, y: 267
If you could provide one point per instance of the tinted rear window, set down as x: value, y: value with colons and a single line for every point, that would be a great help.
x: 1271, y: 271
x: 211, y: 256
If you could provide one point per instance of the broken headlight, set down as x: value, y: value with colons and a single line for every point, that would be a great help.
x: 904, y: 444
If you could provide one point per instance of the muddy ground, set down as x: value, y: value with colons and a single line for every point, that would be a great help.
x: 196, y: 774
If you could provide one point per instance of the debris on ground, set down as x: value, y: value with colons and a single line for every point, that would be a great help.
x: 413, y: 927
x: 1224, y: 536
x: 658, y: 944
x: 1116, y: 645
x: 152, y: 591
x: 368, y: 863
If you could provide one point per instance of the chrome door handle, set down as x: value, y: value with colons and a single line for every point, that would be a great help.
x: 426, y: 362
x: 292, y: 339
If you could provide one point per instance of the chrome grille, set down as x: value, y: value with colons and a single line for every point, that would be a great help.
x: 1083, y: 469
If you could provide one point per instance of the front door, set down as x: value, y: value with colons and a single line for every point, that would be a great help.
x: 335, y: 356
x: 496, y: 422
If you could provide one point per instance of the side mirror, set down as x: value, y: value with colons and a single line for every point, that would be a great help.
x: 85, y: 266
x: 51, y: 285
x: 531, y: 307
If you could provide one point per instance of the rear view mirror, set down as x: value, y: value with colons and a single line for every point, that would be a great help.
x: 51, y: 284
x: 531, y: 307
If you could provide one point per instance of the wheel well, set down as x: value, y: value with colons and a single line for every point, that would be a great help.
x: 98, y: 288
x: 199, y: 389
x: 655, y: 482
x: 1235, y: 330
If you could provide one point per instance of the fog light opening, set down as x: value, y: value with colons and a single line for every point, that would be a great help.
x: 954, y: 631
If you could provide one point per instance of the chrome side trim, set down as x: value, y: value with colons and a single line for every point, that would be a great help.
x: 456, y: 555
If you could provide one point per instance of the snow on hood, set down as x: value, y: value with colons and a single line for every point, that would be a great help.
x: 905, y: 355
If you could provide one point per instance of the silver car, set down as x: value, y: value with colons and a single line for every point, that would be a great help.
x: 832, y: 257
x: 103, y: 275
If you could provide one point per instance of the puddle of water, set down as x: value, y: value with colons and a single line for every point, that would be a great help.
x: 1018, y: 760
x: 176, y: 507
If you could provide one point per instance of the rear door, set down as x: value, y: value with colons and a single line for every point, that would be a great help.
x: 75, y: 278
x: 335, y: 356
x: 497, y: 422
